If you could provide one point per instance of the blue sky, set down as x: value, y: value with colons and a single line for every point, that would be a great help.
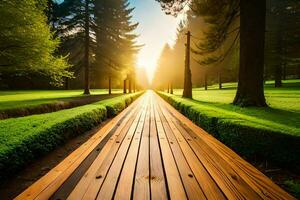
x: 155, y: 29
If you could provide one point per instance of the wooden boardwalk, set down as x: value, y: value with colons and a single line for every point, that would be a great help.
x: 151, y: 151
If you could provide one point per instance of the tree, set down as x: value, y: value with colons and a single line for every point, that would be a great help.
x: 73, y: 24
x: 26, y: 42
x: 116, y: 46
x: 164, y: 65
x: 281, y: 39
x: 86, y: 47
x: 252, y: 29
x: 107, y: 49
x: 250, y: 90
x: 187, y: 88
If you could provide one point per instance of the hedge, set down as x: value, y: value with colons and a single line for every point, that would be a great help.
x: 248, y: 140
x: 24, y: 139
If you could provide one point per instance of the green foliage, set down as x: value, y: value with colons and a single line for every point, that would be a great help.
x: 112, y: 43
x: 116, y: 41
x: 269, y: 133
x: 219, y: 15
x: 23, y: 139
x: 26, y: 43
x: 293, y: 187
x: 282, y: 25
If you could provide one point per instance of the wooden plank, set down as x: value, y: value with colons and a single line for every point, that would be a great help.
x: 86, y: 180
x: 49, y: 183
x: 110, y: 182
x: 261, y: 184
x: 124, y: 187
x: 100, y: 175
x: 142, y: 175
x: 175, y: 186
x: 158, y: 185
x: 227, y: 179
x: 191, y: 185
x: 209, y: 187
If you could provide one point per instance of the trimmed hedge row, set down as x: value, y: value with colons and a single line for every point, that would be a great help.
x: 26, y: 138
x: 250, y: 142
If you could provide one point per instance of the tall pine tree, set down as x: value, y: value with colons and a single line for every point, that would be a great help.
x: 116, y: 42
x: 99, y: 31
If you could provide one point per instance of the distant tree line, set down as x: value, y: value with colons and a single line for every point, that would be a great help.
x: 233, y: 41
x: 87, y: 42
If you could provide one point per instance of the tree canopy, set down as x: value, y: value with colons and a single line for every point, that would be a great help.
x: 26, y: 42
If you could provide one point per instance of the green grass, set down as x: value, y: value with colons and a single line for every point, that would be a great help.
x: 285, y: 98
x: 29, y: 98
x: 293, y: 187
x: 272, y: 133
x: 283, y: 114
x: 23, y: 139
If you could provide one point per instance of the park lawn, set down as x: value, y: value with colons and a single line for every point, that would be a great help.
x: 30, y: 98
x: 283, y: 114
x: 23, y: 139
x: 285, y: 98
x: 272, y: 133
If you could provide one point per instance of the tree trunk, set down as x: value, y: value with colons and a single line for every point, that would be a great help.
x: 205, y: 80
x: 187, y: 90
x: 129, y: 85
x: 109, y: 85
x: 220, y: 80
x: 67, y: 83
x: 87, y: 49
x: 168, y: 88
x: 124, y: 87
x: 250, y: 90
x: 298, y: 71
x: 278, y: 76
x: 171, y: 88
x: 134, y: 85
x: 284, y: 72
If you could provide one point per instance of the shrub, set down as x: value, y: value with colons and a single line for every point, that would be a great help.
x: 23, y: 139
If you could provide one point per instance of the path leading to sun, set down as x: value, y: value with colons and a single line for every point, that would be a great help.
x: 151, y: 151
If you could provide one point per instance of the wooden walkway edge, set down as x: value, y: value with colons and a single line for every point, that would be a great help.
x: 151, y: 151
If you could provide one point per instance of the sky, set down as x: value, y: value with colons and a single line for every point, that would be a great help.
x: 155, y: 30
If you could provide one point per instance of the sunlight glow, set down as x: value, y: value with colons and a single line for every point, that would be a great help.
x: 155, y: 29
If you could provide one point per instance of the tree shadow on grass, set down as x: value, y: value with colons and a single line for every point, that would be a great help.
x: 267, y: 117
x: 39, y: 106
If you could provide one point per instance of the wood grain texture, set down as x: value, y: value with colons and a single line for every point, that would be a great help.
x: 157, y: 179
x: 174, y: 182
x: 141, y: 189
x: 207, y: 184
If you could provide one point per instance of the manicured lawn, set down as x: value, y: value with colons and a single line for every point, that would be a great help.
x: 29, y: 98
x: 283, y: 114
x: 285, y: 98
